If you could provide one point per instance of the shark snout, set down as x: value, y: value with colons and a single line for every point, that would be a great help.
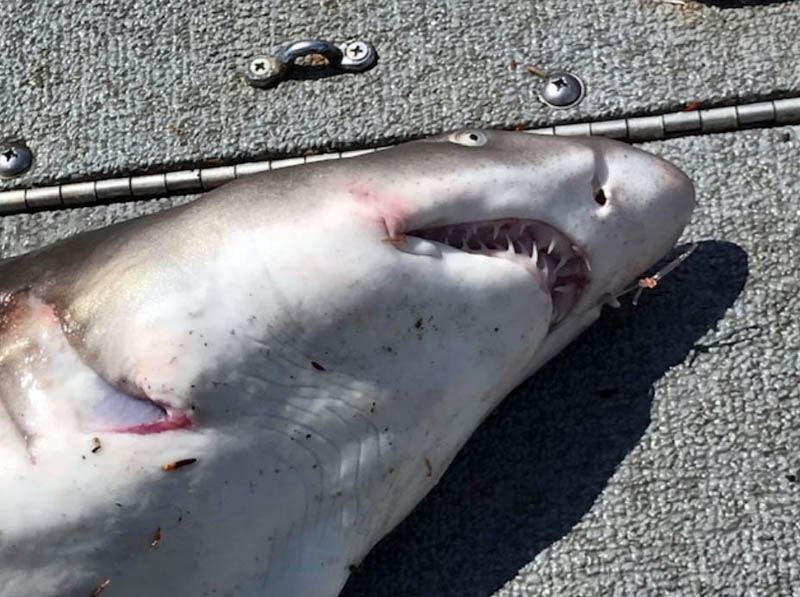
x: 641, y: 205
x: 678, y: 188
x: 675, y: 201
x: 649, y: 189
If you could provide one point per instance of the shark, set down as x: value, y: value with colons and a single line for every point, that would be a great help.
x: 243, y: 394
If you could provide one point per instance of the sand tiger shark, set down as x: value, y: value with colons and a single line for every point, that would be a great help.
x: 243, y: 394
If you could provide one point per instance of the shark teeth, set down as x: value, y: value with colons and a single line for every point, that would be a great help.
x: 561, y: 263
x: 509, y: 246
x: 562, y: 266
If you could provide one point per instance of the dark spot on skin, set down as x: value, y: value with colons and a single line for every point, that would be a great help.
x: 308, y: 436
x: 600, y: 197
x: 191, y: 332
x: 205, y: 343
x: 786, y: 137
x: 372, y: 408
x: 313, y: 466
x: 317, y: 366
x: 193, y: 386
x: 118, y: 505
x: 418, y: 323
x: 496, y: 329
x: 96, y: 447
x: 233, y: 332
x: 791, y: 478
x: 83, y: 457
x: 172, y: 360
x: 385, y: 429
x: 387, y: 348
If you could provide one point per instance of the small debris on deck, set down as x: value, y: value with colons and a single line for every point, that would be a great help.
x: 171, y: 466
x: 100, y: 588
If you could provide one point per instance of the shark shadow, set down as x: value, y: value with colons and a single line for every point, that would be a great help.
x: 536, y: 466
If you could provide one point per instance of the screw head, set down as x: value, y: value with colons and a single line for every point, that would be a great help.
x: 15, y: 158
x: 562, y: 90
x: 356, y: 50
x: 263, y: 71
x: 357, y: 55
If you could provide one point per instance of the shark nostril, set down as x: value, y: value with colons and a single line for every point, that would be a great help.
x: 600, y: 197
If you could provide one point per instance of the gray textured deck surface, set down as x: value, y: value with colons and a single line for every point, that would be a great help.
x: 106, y: 87
x: 659, y: 455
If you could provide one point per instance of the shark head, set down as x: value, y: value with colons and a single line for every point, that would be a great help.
x: 583, y: 217
x: 343, y: 327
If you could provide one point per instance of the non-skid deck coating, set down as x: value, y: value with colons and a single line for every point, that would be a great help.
x: 102, y: 87
x: 659, y: 454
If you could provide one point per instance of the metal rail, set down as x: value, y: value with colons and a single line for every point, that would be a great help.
x: 635, y: 130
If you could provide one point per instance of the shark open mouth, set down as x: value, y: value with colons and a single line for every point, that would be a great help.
x: 557, y: 262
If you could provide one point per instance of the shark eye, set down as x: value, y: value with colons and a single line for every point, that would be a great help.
x: 469, y: 138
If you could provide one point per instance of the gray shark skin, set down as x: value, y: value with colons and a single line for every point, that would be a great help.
x: 242, y: 395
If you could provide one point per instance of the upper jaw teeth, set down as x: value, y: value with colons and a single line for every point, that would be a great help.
x: 549, y: 254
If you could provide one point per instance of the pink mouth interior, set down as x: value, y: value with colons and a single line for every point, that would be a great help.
x: 172, y: 422
x: 118, y: 412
